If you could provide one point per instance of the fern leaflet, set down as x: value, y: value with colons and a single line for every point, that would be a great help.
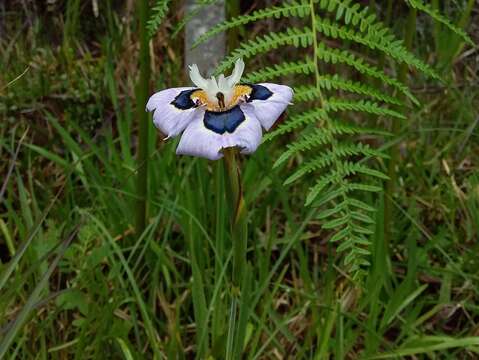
x: 321, y: 143
x: 436, y: 15
x: 289, y: 9
x: 158, y: 13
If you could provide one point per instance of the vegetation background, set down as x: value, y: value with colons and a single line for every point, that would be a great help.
x: 79, y: 281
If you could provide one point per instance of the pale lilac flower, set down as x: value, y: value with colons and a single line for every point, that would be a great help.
x: 218, y: 113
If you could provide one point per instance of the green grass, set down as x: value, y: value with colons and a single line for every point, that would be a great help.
x: 77, y: 282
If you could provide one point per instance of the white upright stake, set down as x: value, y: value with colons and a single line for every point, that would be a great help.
x: 210, y: 53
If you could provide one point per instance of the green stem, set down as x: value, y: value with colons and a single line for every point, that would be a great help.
x: 394, y: 152
x: 241, y: 274
x: 382, y: 56
x: 238, y: 214
x: 437, y: 24
x: 141, y: 98
x: 389, y: 12
x: 466, y: 15
x: 315, y: 48
x: 387, y: 21
x: 232, y: 11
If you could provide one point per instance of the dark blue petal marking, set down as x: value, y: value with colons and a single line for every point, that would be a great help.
x: 259, y: 92
x: 183, y: 100
x: 220, y: 122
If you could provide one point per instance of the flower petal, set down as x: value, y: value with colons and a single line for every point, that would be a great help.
x: 249, y: 133
x: 224, y: 121
x: 235, y: 76
x: 270, y: 101
x: 173, y: 109
x: 196, y: 77
x: 198, y: 140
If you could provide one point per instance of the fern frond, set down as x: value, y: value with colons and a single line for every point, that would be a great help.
x: 321, y: 144
x: 374, y: 41
x: 358, y: 16
x: 319, y: 115
x: 328, y: 82
x: 359, y: 216
x: 342, y: 128
x: 333, y: 193
x: 436, y: 15
x: 341, y: 171
x: 292, y: 36
x: 306, y: 93
x: 361, y: 205
x: 303, y: 38
x: 289, y: 9
x: 320, y: 136
x: 334, y: 56
x: 370, y: 107
x: 324, y: 214
x: 296, y: 121
x: 339, y: 151
x: 350, y: 225
x: 335, y: 82
x: 337, y: 222
x: 316, y: 138
x: 364, y: 187
x: 286, y: 68
x: 158, y: 13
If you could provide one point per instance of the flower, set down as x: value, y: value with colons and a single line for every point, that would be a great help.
x: 218, y: 113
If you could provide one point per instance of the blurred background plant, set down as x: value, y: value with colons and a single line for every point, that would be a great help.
x: 76, y: 281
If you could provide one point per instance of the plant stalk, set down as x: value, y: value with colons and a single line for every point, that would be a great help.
x: 142, y: 91
x: 232, y: 11
x: 387, y: 22
x: 238, y: 214
x: 396, y: 128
